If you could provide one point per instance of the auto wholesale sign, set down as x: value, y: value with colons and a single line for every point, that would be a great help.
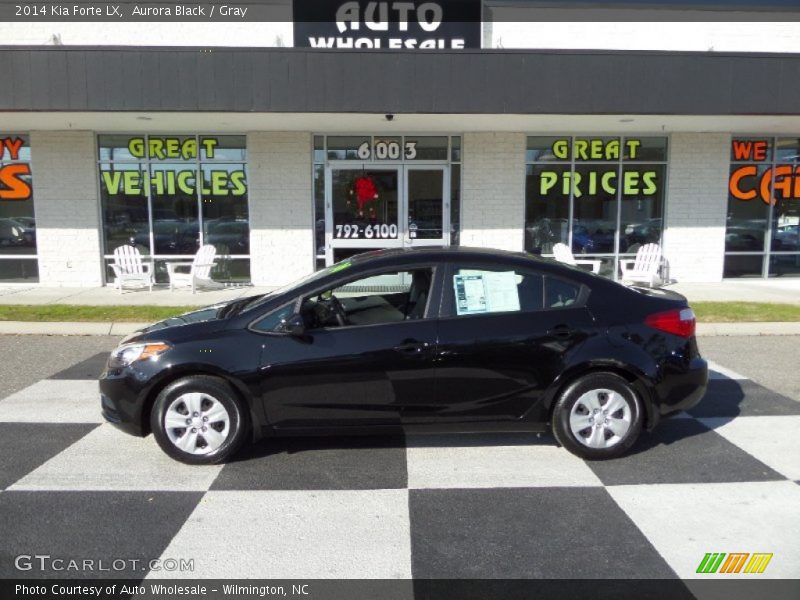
x: 362, y: 24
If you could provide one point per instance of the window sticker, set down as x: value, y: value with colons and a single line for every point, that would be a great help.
x: 470, y: 294
x: 486, y: 292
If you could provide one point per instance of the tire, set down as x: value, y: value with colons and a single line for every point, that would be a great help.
x: 207, y: 406
x: 580, y: 408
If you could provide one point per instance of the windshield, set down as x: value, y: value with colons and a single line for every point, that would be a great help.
x: 335, y: 268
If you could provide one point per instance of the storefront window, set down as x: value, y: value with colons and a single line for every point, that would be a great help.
x: 762, y: 237
x: 548, y: 205
x: 640, y: 211
x: 173, y: 201
x: 17, y: 219
x: 594, y: 208
x: 126, y: 219
x: 602, y: 196
x: 168, y: 195
x: 225, y: 220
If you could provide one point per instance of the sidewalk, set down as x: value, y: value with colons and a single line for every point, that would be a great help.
x: 104, y: 296
x: 779, y: 291
x: 785, y: 291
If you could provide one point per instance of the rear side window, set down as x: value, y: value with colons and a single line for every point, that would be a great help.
x: 560, y: 293
x: 482, y: 291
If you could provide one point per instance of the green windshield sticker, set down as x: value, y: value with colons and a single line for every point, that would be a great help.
x: 339, y: 267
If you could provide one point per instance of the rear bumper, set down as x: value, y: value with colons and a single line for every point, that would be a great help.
x: 682, y: 387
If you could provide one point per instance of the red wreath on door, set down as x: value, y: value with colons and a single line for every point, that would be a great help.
x: 365, y: 191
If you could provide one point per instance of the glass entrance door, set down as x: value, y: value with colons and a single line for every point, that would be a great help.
x: 372, y: 206
x: 427, y: 206
x: 363, y: 209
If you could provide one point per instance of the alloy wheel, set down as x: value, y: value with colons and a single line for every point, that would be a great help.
x: 197, y: 423
x: 600, y: 418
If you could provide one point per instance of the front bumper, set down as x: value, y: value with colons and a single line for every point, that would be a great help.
x: 122, y: 398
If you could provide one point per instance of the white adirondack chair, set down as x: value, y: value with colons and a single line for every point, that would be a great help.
x: 129, y: 268
x: 645, y: 268
x: 564, y: 255
x: 199, y: 270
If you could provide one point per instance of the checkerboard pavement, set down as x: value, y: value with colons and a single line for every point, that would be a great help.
x: 723, y: 478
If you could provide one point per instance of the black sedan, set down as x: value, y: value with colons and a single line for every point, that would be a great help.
x: 452, y: 339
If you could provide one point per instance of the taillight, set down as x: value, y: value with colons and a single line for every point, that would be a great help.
x: 678, y: 322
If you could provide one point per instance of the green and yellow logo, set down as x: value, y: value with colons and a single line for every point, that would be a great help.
x: 734, y: 562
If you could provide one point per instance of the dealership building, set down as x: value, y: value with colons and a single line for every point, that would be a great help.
x: 288, y: 157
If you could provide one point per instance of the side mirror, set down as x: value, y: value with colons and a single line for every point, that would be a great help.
x: 296, y: 326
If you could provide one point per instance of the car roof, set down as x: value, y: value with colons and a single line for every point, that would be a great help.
x: 465, y: 254
x: 460, y: 254
x: 434, y: 254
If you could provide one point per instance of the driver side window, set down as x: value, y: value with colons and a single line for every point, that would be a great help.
x: 388, y: 297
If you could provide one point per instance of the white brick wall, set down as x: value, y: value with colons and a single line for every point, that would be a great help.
x: 67, y: 208
x: 493, y: 190
x: 697, y: 201
x: 281, y: 215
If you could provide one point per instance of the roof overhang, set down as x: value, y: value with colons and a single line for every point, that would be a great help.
x: 481, y: 82
x: 223, y: 122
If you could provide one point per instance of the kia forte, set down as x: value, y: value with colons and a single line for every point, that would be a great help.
x: 436, y: 340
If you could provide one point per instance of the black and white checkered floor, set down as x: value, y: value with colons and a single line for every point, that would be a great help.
x: 721, y: 479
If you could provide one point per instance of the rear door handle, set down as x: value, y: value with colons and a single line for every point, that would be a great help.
x: 561, y: 331
x: 411, y: 347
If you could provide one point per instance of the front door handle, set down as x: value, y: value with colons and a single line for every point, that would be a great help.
x: 411, y: 347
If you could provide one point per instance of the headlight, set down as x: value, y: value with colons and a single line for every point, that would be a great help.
x: 124, y: 355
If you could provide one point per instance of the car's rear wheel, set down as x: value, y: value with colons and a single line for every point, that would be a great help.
x: 199, y: 420
x: 598, y: 416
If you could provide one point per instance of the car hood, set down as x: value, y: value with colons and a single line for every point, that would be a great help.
x: 207, y: 314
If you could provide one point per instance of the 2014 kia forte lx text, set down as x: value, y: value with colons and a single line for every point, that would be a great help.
x: 451, y: 340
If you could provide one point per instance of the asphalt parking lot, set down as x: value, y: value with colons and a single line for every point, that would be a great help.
x: 771, y: 360
x: 724, y: 477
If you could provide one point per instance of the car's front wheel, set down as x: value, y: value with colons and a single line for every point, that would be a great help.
x: 199, y: 420
x: 598, y: 416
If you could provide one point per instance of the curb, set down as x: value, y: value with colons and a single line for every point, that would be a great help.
x: 766, y: 328
x: 123, y: 328
x: 67, y: 328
